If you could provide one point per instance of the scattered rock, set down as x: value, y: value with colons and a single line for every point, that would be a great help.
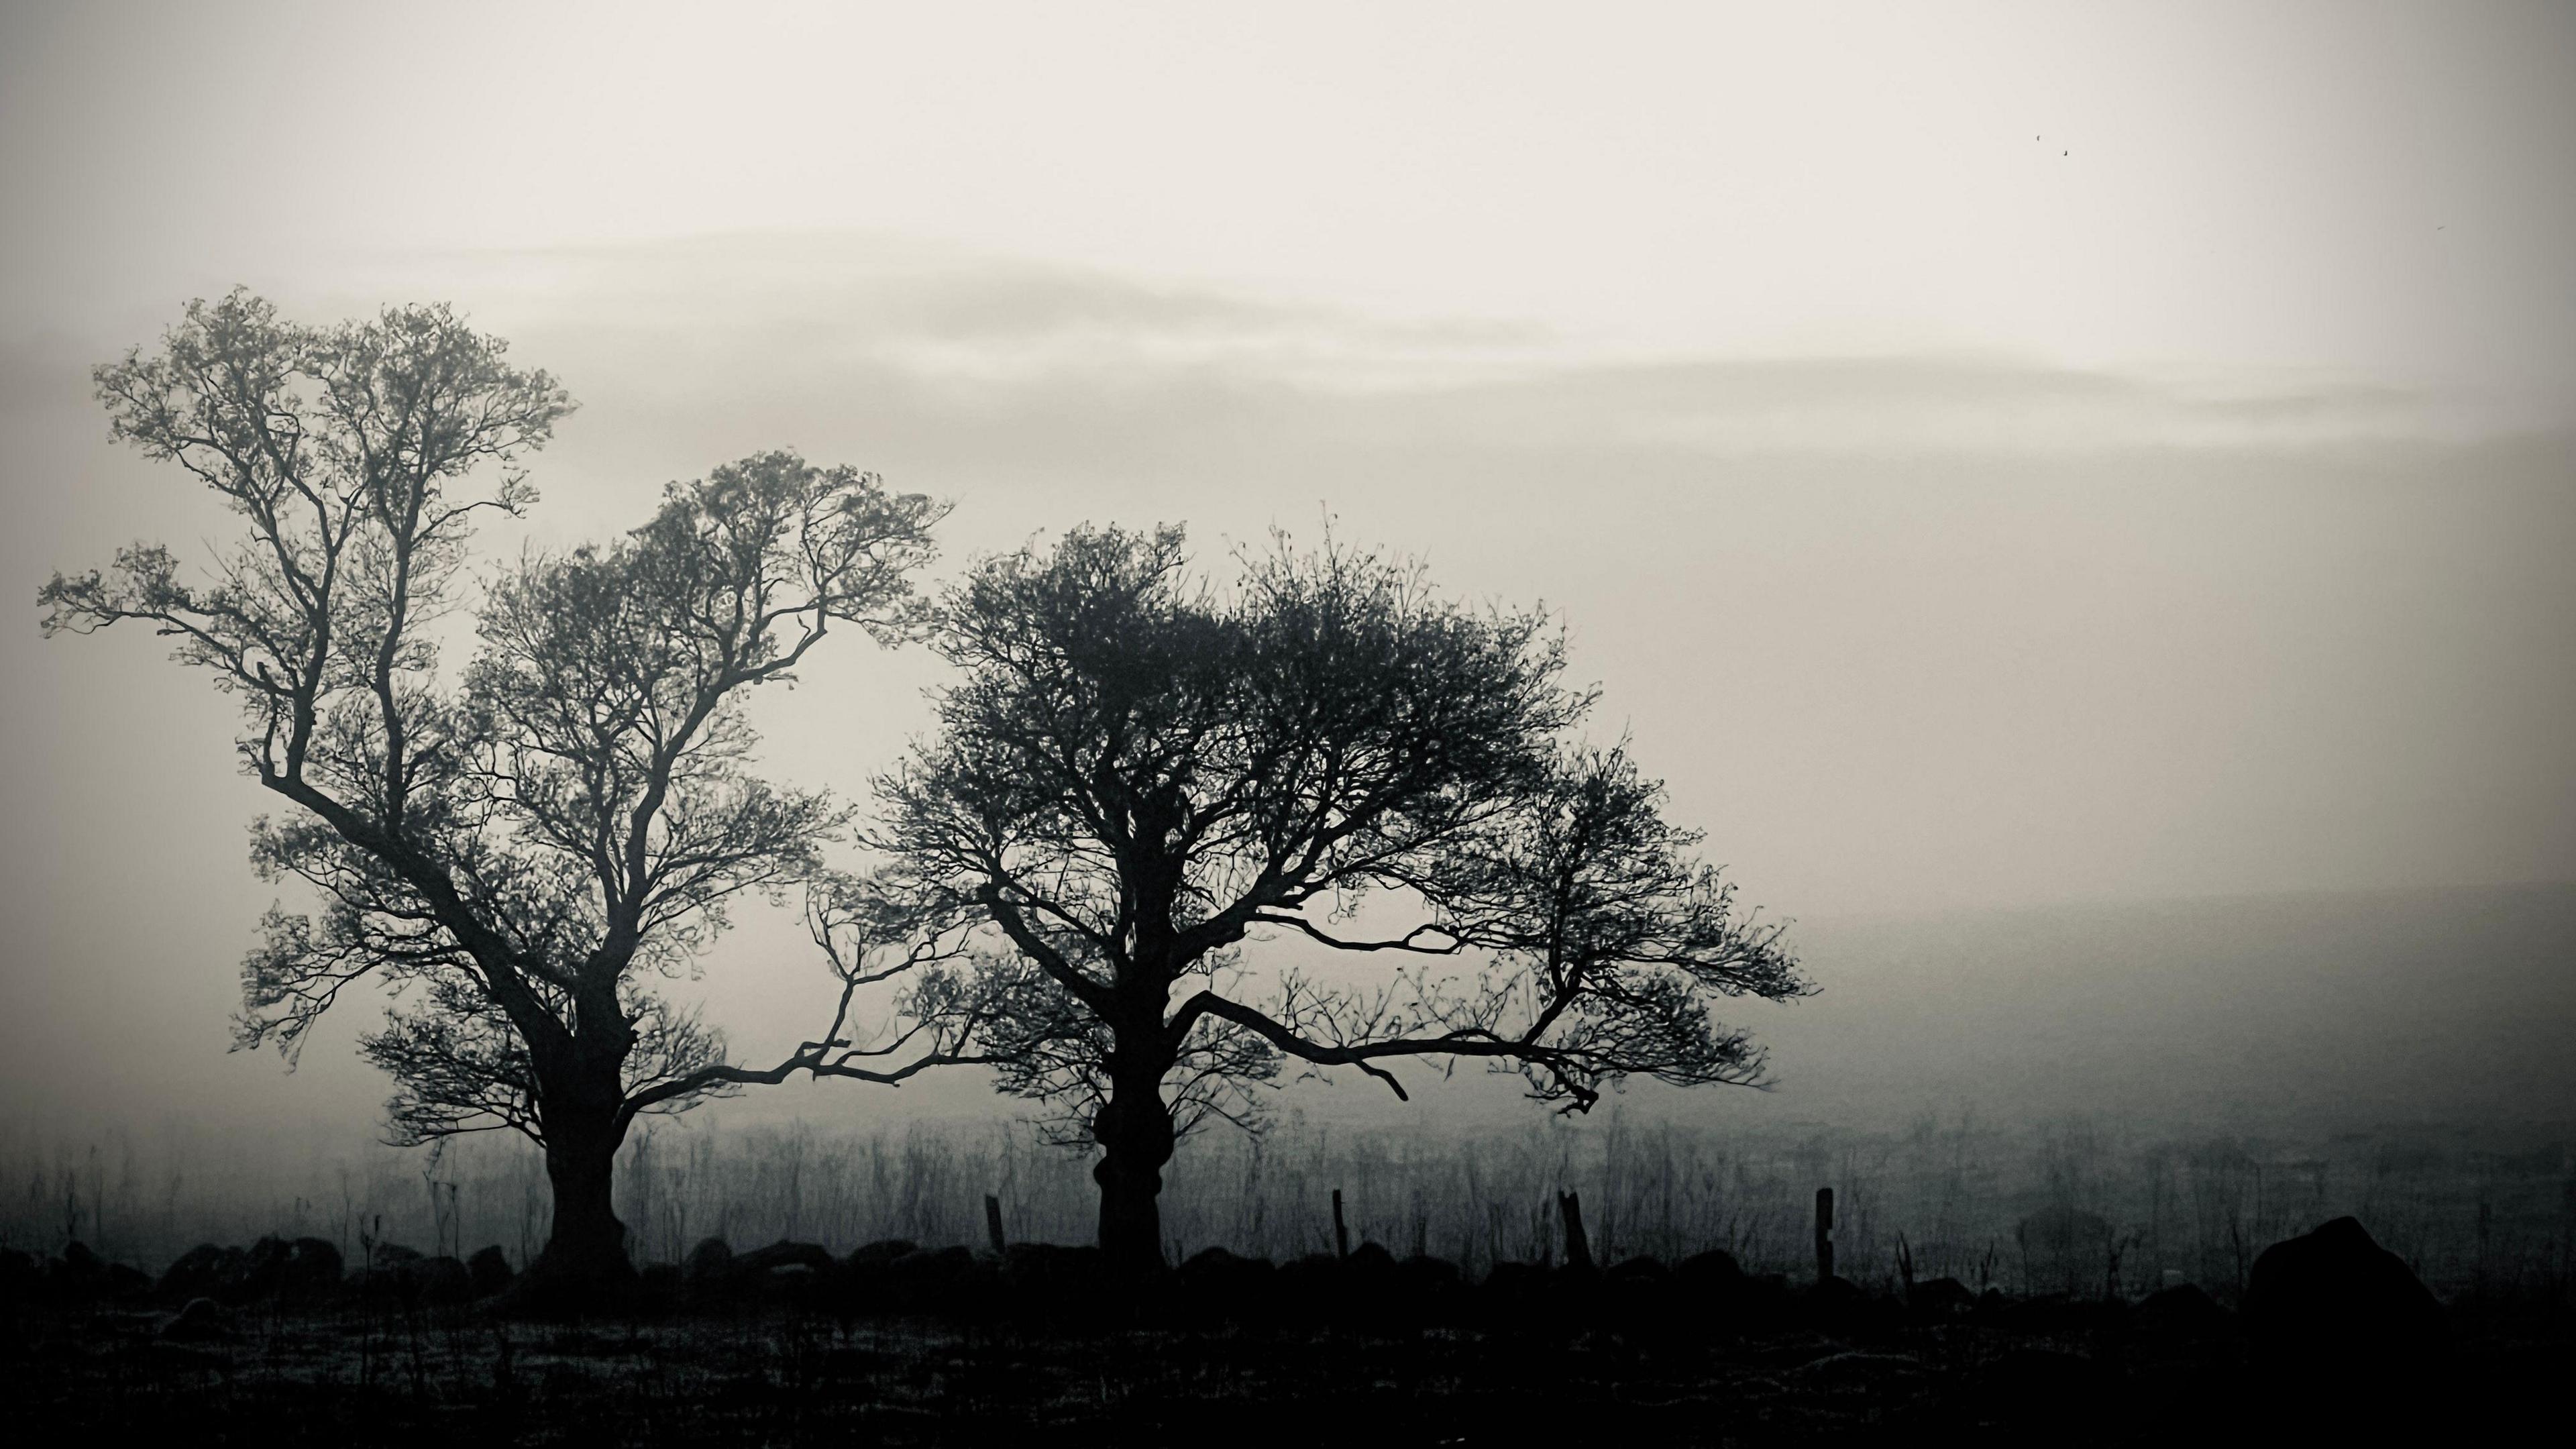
x: 2041, y: 1386
x: 490, y: 1270
x: 2334, y: 1304
x: 1939, y: 1298
x: 204, y: 1271
x: 710, y: 1263
x: 2183, y: 1312
x: 299, y: 1270
x: 2064, y: 1250
x: 1220, y: 1282
x: 202, y: 1318
x: 1429, y: 1277
x: 783, y: 1254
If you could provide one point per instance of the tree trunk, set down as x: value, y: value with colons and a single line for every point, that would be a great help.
x: 1134, y: 1130
x: 584, y: 1264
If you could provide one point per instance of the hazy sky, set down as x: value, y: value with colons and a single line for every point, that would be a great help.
x: 1990, y: 456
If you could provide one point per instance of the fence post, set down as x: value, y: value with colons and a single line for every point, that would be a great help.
x: 993, y: 1222
x: 1578, y: 1245
x: 1341, y: 1234
x: 1824, y: 1234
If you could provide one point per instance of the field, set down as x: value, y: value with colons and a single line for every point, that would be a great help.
x: 2469, y: 1208
x: 2488, y: 1220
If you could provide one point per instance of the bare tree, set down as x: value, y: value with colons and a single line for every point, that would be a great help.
x: 524, y: 855
x: 1138, y: 775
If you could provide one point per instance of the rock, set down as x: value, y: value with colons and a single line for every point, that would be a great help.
x: 202, y: 1318
x: 658, y: 1286
x: 75, y: 1275
x: 204, y: 1271
x: 1939, y: 1298
x: 1638, y: 1271
x: 939, y: 1280
x: 2064, y: 1250
x: 709, y: 1263
x: 2183, y: 1312
x: 301, y: 1270
x: 1858, y: 1369
x: 1219, y: 1282
x: 17, y: 1277
x: 1370, y: 1266
x: 438, y: 1281
x: 809, y: 1257
x: 2042, y: 1386
x: 390, y: 1255
x: 884, y: 1250
x: 418, y: 1282
x: 1713, y: 1292
x: 1509, y: 1285
x: 1839, y: 1304
x: 490, y: 1270
x: 1428, y: 1278
x: 1701, y: 1271
x: 2333, y: 1304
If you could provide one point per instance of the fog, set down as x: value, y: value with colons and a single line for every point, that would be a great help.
x: 2119, y: 613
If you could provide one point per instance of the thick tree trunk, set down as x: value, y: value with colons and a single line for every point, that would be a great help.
x: 1134, y: 1130
x: 588, y: 1243
x: 584, y: 1264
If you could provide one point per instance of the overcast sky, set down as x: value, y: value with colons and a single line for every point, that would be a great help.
x: 1991, y: 457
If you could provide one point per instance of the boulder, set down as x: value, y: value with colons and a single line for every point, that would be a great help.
x: 884, y: 1250
x: 2333, y: 1304
x: 2042, y: 1388
x: 17, y: 1277
x: 2064, y: 1250
x: 1514, y: 1285
x: 1428, y: 1278
x: 1935, y: 1299
x: 938, y: 1280
x: 418, y: 1282
x: 299, y: 1270
x: 391, y: 1255
x: 783, y: 1254
x: 1225, y: 1284
x: 200, y: 1319
x: 490, y: 1270
x: 709, y: 1264
x: 2183, y: 1312
x: 204, y: 1271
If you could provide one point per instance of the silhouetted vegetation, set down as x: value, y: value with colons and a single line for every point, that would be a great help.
x: 910, y: 1339
x: 521, y: 855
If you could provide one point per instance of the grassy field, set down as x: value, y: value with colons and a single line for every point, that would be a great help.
x: 2469, y: 1209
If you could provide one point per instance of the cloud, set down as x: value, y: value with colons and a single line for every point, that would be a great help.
x: 977, y: 346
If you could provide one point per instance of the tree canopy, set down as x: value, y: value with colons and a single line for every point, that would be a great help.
x: 523, y: 854
x: 1136, y: 774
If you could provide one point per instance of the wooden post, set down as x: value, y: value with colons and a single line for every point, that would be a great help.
x: 993, y: 1222
x: 1824, y: 1234
x: 1578, y: 1245
x: 1341, y: 1234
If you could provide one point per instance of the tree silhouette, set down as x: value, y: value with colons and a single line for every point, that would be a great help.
x: 520, y: 857
x: 1136, y: 775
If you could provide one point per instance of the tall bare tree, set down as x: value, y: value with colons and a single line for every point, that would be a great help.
x: 1137, y: 775
x: 524, y: 855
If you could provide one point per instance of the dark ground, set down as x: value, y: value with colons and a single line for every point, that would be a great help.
x: 1549, y: 1361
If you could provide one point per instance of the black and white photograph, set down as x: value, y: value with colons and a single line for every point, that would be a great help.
x: 1337, y: 723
